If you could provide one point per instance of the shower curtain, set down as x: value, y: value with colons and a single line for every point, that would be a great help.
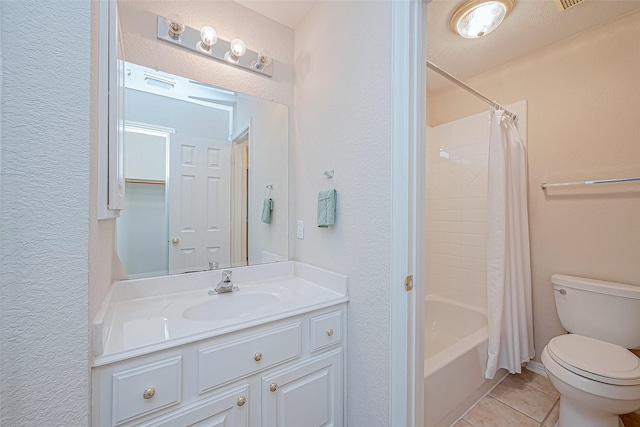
x: 509, y: 310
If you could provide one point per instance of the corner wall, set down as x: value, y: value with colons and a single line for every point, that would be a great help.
x: 343, y: 122
x: 45, y: 213
x: 582, y: 97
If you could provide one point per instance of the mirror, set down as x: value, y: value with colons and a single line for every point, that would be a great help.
x: 205, y: 177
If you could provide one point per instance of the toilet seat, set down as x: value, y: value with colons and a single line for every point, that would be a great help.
x: 594, y: 359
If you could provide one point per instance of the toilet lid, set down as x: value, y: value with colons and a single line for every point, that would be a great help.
x: 601, y: 361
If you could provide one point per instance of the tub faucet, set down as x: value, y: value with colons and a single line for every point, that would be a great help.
x: 225, y: 285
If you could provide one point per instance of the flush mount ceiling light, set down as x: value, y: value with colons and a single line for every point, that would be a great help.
x: 477, y: 18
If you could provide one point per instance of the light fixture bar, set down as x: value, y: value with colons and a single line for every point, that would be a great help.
x: 189, y: 40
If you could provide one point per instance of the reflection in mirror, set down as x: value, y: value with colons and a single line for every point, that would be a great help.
x: 201, y: 164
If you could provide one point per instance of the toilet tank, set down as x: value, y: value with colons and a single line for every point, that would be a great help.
x: 603, y: 310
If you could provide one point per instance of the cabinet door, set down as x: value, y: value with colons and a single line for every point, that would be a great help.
x: 308, y: 394
x: 227, y: 409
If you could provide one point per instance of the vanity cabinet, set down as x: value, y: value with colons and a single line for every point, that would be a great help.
x: 287, y: 373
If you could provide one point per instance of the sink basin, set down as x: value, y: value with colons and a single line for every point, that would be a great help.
x: 232, y: 305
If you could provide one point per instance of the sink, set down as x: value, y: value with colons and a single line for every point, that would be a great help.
x: 232, y: 305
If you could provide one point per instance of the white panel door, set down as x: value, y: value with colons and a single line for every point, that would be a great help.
x: 199, y: 201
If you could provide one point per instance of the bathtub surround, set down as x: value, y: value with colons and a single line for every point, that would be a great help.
x: 582, y: 127
x: 457, y: 165
x: 508, y: 263
x: 46, y: 114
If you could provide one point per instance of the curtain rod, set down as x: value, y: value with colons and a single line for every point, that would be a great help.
x: 469, y: 89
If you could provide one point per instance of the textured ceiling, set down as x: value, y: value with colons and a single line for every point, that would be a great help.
x: 531, y: 25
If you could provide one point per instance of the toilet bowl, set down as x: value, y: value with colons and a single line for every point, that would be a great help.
x: 596, y: 376
x: 596, y: 380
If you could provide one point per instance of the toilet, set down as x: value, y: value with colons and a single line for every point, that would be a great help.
x: 597, y: 377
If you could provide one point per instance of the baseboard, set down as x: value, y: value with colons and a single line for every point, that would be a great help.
x: 537, y: 367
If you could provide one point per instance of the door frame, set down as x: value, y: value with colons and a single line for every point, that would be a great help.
x: 408, y: 212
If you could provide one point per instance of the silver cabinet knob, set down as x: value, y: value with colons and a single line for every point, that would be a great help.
x: 273, y: 387
x: 330, y: 332
x: 175, y: 240
x: 257, y: 357
x: 149, y: 393
x: 242, y: 400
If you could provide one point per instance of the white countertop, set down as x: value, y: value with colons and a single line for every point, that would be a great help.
x: 146, y: 315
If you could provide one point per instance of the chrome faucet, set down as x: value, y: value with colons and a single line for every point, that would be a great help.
x: 225, y: 285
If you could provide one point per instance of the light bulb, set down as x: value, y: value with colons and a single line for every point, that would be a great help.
x: 264, y: 59
x: 477, y: 18
x: 208, y: 38
x: 176, y: 27
x: 238, y: 49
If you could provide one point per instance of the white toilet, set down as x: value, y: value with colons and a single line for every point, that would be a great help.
x: 597, y: 377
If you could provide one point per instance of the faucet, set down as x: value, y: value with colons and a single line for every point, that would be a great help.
x: 225, y: 285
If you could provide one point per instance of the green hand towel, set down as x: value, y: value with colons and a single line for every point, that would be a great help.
x: 327, y: 201
x: 267, y: 210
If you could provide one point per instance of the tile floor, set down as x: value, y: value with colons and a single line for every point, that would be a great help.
x: 523, y: 400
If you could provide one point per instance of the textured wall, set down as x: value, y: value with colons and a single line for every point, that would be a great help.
x: 343, y: 122
x: 141, y: 46
x: 44, y: 216
x: 582, y: 97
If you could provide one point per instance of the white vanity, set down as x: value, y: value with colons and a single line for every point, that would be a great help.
x: 271, y: 354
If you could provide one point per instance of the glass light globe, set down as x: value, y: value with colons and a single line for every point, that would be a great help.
x: 238, y: 48
x: 477, y: 18
x: 176, y: 26
x: 264, y: 59
x: 208, y: 37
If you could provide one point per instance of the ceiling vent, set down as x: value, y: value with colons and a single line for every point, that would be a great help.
x: 566, y: 4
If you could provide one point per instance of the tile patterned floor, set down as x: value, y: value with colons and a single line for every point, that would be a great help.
x: 524, y: 400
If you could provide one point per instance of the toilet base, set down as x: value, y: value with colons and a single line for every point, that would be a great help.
x: 575, y: 414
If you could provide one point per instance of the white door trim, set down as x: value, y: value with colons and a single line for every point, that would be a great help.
x: 407, y: 212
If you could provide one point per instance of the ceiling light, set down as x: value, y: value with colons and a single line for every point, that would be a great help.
x: 477, y: 18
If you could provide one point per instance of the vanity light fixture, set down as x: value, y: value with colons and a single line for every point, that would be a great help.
x: 206, y: 42
x: 208, y: 37
x: 477, y: 18
x: 176, y: 26
x: 237, y: 48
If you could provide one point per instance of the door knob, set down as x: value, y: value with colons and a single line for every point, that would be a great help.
x: 175, y: 240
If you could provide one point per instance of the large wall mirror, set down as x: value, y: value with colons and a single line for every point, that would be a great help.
x: 205, y: 173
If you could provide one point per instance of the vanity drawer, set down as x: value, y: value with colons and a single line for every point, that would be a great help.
x: 230, y: 360
x: 146, y: 388
x: 325, y: 330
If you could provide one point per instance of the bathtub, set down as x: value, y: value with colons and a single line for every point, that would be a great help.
x: 455, y: 360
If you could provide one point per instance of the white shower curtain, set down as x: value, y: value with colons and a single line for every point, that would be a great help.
x: 509, y: 311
